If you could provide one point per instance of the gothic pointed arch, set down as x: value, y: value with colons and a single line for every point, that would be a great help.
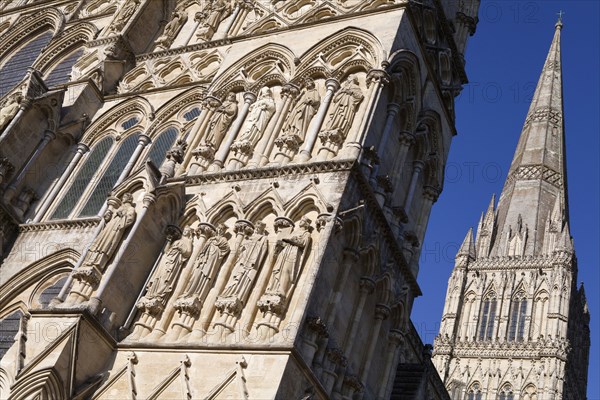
x: 174, y: 108
x: 269, y: 63
x: 123, y: 112
x: 343, y: 52
x: 64, y: 44
x: 405, y: 71
x: 43, y: 384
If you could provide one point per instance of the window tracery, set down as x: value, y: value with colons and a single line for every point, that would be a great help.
x: 487, y: 317
x: 518, y: 313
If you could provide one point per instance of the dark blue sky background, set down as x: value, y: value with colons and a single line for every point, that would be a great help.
x: 504, y: 61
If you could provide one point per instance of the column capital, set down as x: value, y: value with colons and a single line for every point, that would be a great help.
x: 144, y: 139
x: 393, y: 108
x: 378, y: 76
x: 332, y: 84
x: 367, y: 285
x: 382, y: 311
x: 418, y: 165
x: 241, y: 226
x: 82, y: 148
x: 211, y: 102
x: 290, y: 90
x: 406, y: 138
x: 49, y: 135
x: 431, y: 193
x: 396, y: 337
x: 249, y: 97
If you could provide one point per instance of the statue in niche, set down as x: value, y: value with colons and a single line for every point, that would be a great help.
x: 178, y: 19
x: 172, y: 262
x: 250, y: 256
x: 9, y: 110
x: 304, y: 110
x: 221, y: 121
x: 259, y: 115
x: 343, y: 107
x: 109, y: 239
x: 211, y: 17
x: 174, y: 156
x: 124, y: 14
x: 289, y: 251
x: 215, y: 250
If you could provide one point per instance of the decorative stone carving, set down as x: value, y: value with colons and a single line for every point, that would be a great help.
x: 259, y: 115
x: 173, y: 260
x: 5, y: 168
x: 103, y: 247
x: 210, y: 258
x: 290, y: 248
x: 249, y: 259
x: 211, y: 17
x: 9, y: 110
x: 174, y: 157
x: 296, y: 125
x: 24, y: 201
x: 219, y: 123
x: 122, y: 17
x: 341, y: 115
x: 178, y: 19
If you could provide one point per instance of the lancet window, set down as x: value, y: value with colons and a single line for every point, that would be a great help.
x: 474, y: 392
x: 14, y: 70
x: 506, y: 393
x: 518, y: 312
x: 61, y: 73
x: 161, y: 145
x: 487, y: 317
x: 9, y: 326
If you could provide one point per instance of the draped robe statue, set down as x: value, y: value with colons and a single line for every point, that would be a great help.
x: 250, y: 256
x: 211, y: 17
x: 171, y: 30
x: 124, y: 14
x: 289, y: 253
x: 109, y: 239
x: 344, y: 106
x: 221, y: 121
x: 302, y: 113
x: 8, y: 111
x: 259, y: 115
x: 171, y: 263
x: 210, y: 258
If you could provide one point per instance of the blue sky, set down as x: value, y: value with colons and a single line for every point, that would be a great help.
x: 504, y: 61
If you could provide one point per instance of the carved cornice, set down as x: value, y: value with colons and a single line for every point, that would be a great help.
x: 523, y: 262
x: 60, y: 225
x: 269, y: 172
x: 182, y: 50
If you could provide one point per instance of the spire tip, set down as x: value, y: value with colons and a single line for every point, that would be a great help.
x: 559, y: 23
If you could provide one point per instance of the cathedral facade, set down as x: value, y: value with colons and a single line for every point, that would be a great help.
x: 515, y: 323
x: 221, y: 199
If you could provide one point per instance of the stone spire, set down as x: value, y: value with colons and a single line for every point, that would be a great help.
x: 536, y: 181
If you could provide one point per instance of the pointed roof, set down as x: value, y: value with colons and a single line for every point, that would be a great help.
x: 536, y: 179
x: 468, y: 246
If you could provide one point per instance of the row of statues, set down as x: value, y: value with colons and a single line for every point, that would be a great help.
x: 341, y: 113
x: 245, y: 262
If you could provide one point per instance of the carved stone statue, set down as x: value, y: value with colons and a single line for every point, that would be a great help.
x: 178, y: 19
x: 9, y: 110
x: 302, y: 113
x: 171, y: 263
x: 250, y: 256
x: 174, y: 156
x: 109, y: 239
x: 211, y: 17
x: 343, y: 107
x: 288, y: 259
x: 259, y: 115
x: 123, y: 15
x: 221, y: 121
x: 210, y: 258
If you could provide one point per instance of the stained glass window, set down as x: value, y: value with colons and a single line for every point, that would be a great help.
x: 130, y: 123
x: 83, y: 179
x: 14, y: 70
x: 486, y: 321
x: 9, y: 327
x: 110, y: 177
x: 62, y: 72
x: 51, y: 292
x: 161, y: 145
x: 192, y: 114
x: 516, y: 327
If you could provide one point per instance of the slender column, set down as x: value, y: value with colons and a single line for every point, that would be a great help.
x: 417, y: 168
x: 465, y: 319
x: 395, y: 339
x: 332, y: 86
x: 240, y: 13
x: 96, y: 301
x: 382, y: 311
x: 406, y: 139
x: 367, y: 285
x: 233, y: 19
x: 12, y: 189
x: 392, y: 112
x: 376, y: 80
x: 209, y: 105
x: 221, y: 155
x: 81, y: 150
x: 261, y: 155
x: 142, y: 143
